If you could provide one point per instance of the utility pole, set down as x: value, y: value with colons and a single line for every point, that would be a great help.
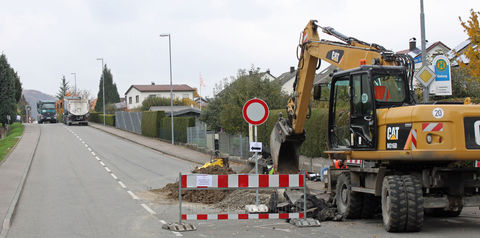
x: 103, y: 87
x: 75, y: 78
x: 426, y: 89
x: 171, y: 87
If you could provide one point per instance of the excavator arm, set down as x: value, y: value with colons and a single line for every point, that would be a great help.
x: 288, y: 133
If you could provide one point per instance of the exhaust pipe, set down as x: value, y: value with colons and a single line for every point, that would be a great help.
x: 285, y: 148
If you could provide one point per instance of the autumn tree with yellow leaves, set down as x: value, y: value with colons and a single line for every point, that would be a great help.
x: 472, y: 52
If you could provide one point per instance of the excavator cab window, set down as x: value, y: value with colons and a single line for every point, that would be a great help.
x: 362, y: 120
x: 339, y: 126
x: 389, y: 88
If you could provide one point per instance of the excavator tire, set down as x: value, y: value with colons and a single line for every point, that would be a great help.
x: 349, y: 203
x: 394, y: 204
x: 414, y: 195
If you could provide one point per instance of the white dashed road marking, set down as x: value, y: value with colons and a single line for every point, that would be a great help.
x: 108, y: 170
x: 114, y: 177
x: 93, y: 153
x: 149, y: 210
x: 89, y: 149
x: 96, y: 157
x: 133, y: 195
x: 103, y: 164
x: 121, y: 184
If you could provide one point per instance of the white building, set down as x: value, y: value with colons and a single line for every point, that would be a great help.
x: 137, y: 93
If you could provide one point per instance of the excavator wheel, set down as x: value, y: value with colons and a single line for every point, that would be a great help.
x: 394, y: 209
x: 402, y: 203
x: 349, y: 203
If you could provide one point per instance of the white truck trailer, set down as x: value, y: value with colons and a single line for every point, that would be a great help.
x: 75, y: 111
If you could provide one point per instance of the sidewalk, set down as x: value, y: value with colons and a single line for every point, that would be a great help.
x: 177, y: 151
x: 13, y: 173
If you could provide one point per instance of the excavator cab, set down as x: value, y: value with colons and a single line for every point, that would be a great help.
x: 354, y: 97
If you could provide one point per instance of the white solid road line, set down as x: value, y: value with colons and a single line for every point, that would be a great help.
x: 163, y: 222
x: 177, y: 233
x: 149, y: 210
x: 121, y: 184
x: 102, y: 163
x: 114, y: 177
x: 108, y: 170
x: 133, y: 195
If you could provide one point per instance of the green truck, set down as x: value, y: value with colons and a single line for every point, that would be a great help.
x: 46, y: 111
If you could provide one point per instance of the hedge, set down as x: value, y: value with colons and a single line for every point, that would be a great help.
x: 316, y: 131
x: 94, y: 117
x: 180, y: 125
x: 109, y: 119
x: 151, y: 122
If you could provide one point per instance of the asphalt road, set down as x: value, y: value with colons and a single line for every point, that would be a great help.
x: 69, y: 193
x: 87, y: 183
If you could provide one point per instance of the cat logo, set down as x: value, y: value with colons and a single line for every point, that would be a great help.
x: 392, y: 133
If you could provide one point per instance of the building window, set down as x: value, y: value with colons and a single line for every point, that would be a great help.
x: 137, y: 99
x: 129, y: 100
x: 185, y: 95
x: 151, y: 95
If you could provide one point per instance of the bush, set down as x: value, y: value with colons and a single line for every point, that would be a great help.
x: 94, y: 117
x: 160, y: 101
x: 180, y: 125
x: 151, y: 122
x: 109, y: 119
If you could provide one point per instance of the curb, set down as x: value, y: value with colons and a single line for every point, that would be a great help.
x: 13, y: 205
x: 152, y: 148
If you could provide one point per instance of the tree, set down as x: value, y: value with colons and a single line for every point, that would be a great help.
x: 64, y: 88
x: 472, y: 52
x: 7, y: 92
x: 111, y: 92
x: 18, y: 87
x: 225, y: 110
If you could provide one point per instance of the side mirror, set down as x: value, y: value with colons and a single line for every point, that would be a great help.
x: 317, y: 92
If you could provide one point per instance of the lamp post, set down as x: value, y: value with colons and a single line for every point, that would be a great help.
x: 75, y: 78
x: 103, y: 87
x: 171, y: 87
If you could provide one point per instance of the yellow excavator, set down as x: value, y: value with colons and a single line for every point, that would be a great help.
x: 414, y: 157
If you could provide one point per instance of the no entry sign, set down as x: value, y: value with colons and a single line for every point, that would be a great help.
x: 255, y: 111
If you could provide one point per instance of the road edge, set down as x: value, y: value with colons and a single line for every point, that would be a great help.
x: 146, y: 146
x: 7, y: 222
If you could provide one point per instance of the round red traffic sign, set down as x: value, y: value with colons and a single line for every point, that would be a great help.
x: 255, y: 111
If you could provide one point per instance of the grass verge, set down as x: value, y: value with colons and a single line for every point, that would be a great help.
x: 7, y: 143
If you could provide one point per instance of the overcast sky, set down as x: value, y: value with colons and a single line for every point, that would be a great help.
x: 44, y: 40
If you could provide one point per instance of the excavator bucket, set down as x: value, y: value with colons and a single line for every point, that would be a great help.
x: 285, y: 147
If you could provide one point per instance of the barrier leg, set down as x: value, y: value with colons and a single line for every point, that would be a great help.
x: 180, y: 198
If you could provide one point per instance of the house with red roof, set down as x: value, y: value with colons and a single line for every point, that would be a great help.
x: 137, y: 93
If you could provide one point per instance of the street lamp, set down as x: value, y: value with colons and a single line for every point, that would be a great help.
x: 171, y: 87
x: 75, y: 77
x: 103, y: 87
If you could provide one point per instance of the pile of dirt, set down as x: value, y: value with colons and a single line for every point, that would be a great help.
x: 213, y: 170
x: 237, y: 199
x: 199, y: 196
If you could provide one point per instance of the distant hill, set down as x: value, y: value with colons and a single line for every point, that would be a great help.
x: 33, y: 96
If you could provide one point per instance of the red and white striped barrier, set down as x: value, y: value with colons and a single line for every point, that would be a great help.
x: 242, y: 216
x: 434, y: 126
x: 354, y: 161
x: 192, y: 181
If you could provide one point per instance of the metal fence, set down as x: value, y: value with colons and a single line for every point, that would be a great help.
x: 129, y: 121
x: 198, y: 134
x: 235, y: 145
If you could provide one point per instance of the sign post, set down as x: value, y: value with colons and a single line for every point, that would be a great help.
x: 255, y: 112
